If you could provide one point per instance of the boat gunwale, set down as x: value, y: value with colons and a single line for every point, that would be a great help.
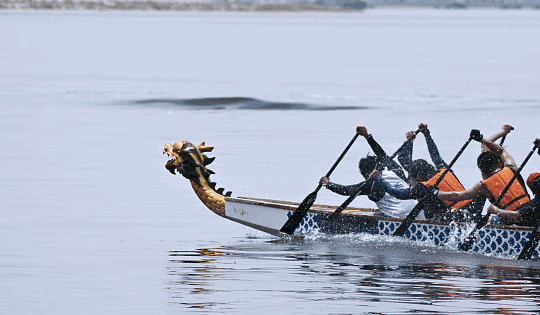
x: 356, y: 212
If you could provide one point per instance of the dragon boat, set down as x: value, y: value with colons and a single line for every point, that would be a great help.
x: 270, y: 215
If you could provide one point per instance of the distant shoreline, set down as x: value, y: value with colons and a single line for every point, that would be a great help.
x: 166, y: 5
x: 220, y: 6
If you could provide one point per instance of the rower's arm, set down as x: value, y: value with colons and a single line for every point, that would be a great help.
x: 405, y: 155
x: 344, y: 190
x: 496, y: 136
x: 505, y: 157
x: 376, y: 147
x: 434, y: 152
x: 505, y: 214
x: 432, y: 147
x: 471, y: 193
x: 380, y: 153
x: 399, y: 193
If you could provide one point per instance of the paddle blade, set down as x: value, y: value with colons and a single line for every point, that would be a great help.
x: 465, y: 246
x: 404, y: 226
x: 528, y: 249
x: 299, y: 214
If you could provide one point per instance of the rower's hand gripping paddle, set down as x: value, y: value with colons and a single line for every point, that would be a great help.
x: 297, y: 216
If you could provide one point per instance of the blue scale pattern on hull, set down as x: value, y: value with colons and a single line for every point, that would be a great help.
x: 438, y: 234
x: 502, y: 242
x: 307, y: 225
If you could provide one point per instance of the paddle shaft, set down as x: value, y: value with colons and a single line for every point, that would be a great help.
x: 531, y: 244
x: 484, y: 220
x: 297, y: 216
x: 337, y: 161
x: 504, y: 137
x: 534, y: 238
x: 348, y: 201
x: 341, y: 156
x: 390, y: 158
x: 465, y: 246
x: 406, y: 223
x: 502, y: 140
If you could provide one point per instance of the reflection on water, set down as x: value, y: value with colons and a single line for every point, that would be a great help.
x: 197, y: 279
x: 346, y: 275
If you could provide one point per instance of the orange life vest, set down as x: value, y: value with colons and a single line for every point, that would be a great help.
x: 449, y: 183
x: 516, y: 194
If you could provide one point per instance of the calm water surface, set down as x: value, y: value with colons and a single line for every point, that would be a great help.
x: 92, y: 223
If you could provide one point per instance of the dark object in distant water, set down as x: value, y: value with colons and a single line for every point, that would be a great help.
x: 353, y: 5
x: 456, y: 5
x: 217, y: 103
x: 511, y: 6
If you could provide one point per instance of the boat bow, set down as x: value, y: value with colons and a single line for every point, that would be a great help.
x: 190, y: 161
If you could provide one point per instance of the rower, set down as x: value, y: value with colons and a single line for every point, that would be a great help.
x: 526, y: 215
x: 505, y: 129
x: 420, y: 171
x: 423, y: 175
x: 388, y: 204
x: 498, y: 168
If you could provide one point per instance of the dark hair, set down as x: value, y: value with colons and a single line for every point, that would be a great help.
x: 487, y: 162
x: 421, y: 170
x: 367, y: 165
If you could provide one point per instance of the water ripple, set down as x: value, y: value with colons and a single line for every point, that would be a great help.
x: 348, y: 273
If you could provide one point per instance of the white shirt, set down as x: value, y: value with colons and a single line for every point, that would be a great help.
x: 390, y: 205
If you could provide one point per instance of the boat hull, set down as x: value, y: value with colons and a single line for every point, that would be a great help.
x: 270, y: 215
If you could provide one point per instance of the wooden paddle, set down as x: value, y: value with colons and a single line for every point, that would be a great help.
x: 406, y: 223
x: 348, y: 201
x: 465, y: 246
x: 297, y: 216
x: 530, y: 246
x: 379, y: 168
x: 504, y: 138
x: 534, y: 238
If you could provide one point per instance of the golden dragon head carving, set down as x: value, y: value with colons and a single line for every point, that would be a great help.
x: 190, y: 161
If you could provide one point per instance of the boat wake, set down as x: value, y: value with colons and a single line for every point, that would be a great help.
x: 241, y: 103
x: 385, y: 242
x: 350, y: 239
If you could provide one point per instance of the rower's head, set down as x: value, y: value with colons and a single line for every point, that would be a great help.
x: 488, y: 162
x: 421, y: 171
x: 534, y: 183
x: 367, y: 165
